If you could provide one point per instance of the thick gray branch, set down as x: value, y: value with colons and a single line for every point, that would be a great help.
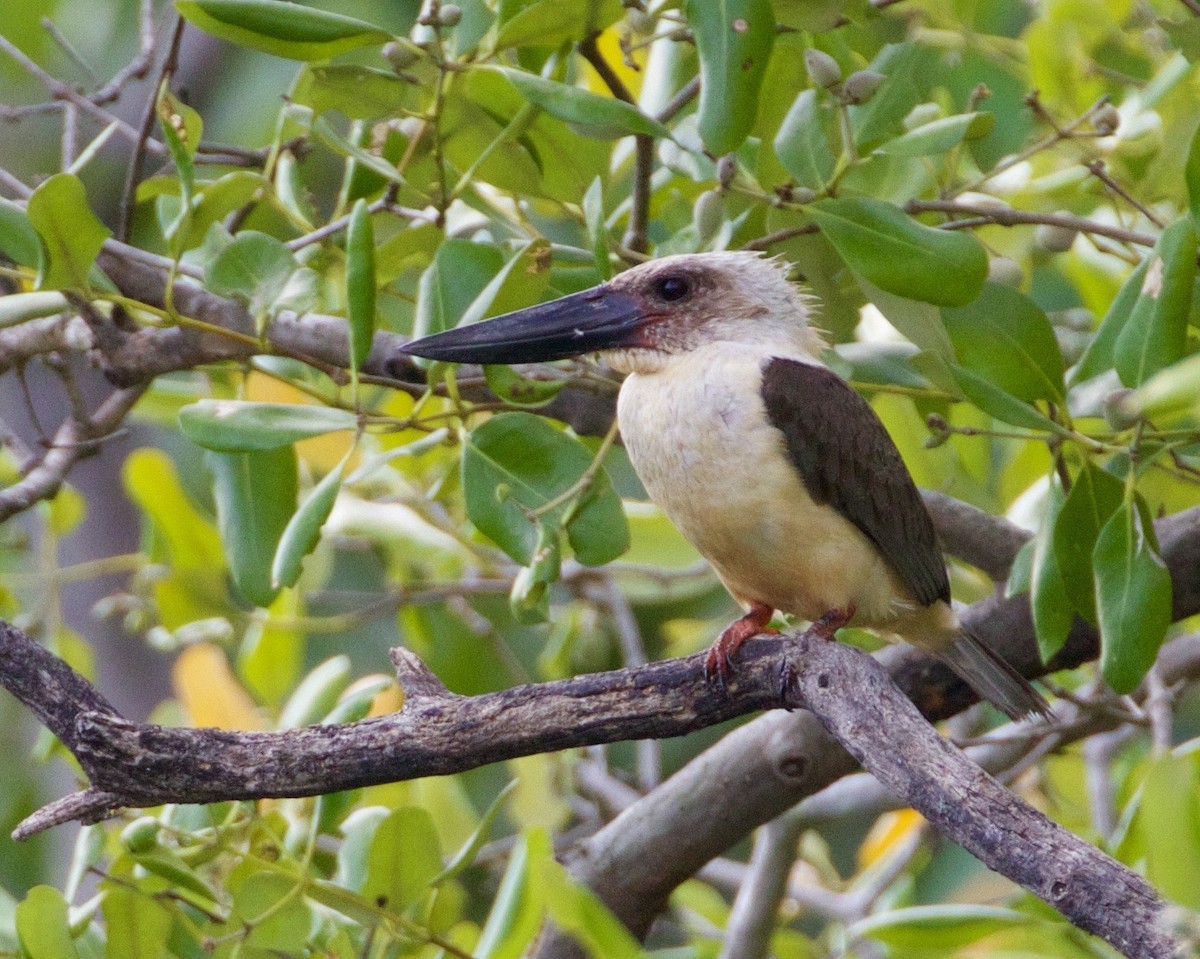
x: 760, y: 770
x: 437, y: 733
x: 859, y: 705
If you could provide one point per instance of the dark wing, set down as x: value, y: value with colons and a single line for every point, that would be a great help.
x: 846, y: 459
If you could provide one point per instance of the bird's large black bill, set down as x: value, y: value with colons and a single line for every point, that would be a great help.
x: 596, y: 319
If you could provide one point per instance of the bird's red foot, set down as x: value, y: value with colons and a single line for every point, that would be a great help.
x: 718, y: 664
x: 826, y: 626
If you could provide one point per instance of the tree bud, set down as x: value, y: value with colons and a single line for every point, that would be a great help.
x: 726, y: 170
x: 1107, y: 119
x: 1004, y: 271
x: 141, y: 835
x: 823, y: 70
x: 708, y: 214
x: 861, y: 86
x: 450, y: 15
x: 1053, y: 238
x: 399, y: 55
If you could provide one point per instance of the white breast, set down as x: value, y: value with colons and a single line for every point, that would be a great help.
x: 698, y: 435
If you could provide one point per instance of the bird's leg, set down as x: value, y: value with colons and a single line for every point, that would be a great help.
x: 824, y: 627
x: 718, y: 665
x: 827, y: 625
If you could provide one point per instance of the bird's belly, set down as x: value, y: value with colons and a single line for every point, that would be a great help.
x: 710, y: 459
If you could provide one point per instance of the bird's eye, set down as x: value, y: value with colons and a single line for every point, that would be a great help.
x: 674, y: 287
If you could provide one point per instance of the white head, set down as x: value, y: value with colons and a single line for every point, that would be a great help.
x: 648, y: 314
x: 696, y: 299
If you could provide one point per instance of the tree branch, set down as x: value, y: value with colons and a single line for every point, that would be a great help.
x: 857, y: 703
x: 1003, y: 215
x: 763, y: 768
x: 73, y: 441
x: 437, y: 733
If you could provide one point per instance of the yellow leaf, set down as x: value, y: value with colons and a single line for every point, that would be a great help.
x: 322, y: 453
x: 153, y: 484
x: 889, y: 829
x: 211, y: 694
x: 609, y: 45
x: 387, y: 701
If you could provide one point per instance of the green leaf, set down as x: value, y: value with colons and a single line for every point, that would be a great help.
x: 514, y: 464
x: 593, y: 115
x: 323, y: 130
x: 317, y: 694
x: 1192, y: 176
x: 920, y: 323
x: 43, y: 927
x: 550, y: 23
x: 800, y: 144
x: 1155, y: 335
x: 580, y: 912
x: 529, y: 598
x: 18, y: 239
x: 509, y: 385
x: 1098, y: 357
x: 888, y: 248
x: 255, y: 493
x: 215, y: 201
x: 1166, y: 395
x: 593, y: 214
x: 1001, y: 404
x: 460, y: 271
x: 287, y: 30
x: 1169, y: 825
x: 1004, y: 336
x: 521, y: 281
x: 70, y: 232
x: 167, y: 864
x: 357, y: 92
x: 1185, y: 34
x: 358, y: 831
x: 939, y: 927
x: 278, y: 918
x: 404, y: 860
x: 255, y: 268
x: 1052, y: 614
x: 18, y: 307
x: 938, y: 136
x: 907, y: 67
x: 1095, y: 495
x: 1133, y: 588
x: 516, y: 915
x: 232, y: 426
x: 360, y: 283
x: 303, y: 531
x: 136, y: 925
x: 466, y: 855
x: 1020, y: 574
x: 182, y: 130
x: 733, y: 40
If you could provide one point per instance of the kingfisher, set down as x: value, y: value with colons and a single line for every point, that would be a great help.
x: 771, y: 465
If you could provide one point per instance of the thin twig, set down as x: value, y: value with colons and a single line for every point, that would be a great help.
x: 133, y: 173
x: 643, y: 165
x: 1097, y: 169
x: 1001, y: 215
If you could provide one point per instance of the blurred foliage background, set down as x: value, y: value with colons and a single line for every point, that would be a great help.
x: 994, y: 203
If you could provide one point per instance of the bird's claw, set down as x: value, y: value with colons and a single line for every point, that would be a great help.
x: 718, y: 664
x: 827, y: 625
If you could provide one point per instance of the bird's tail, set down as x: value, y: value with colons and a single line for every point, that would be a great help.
x: 993, y: 678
